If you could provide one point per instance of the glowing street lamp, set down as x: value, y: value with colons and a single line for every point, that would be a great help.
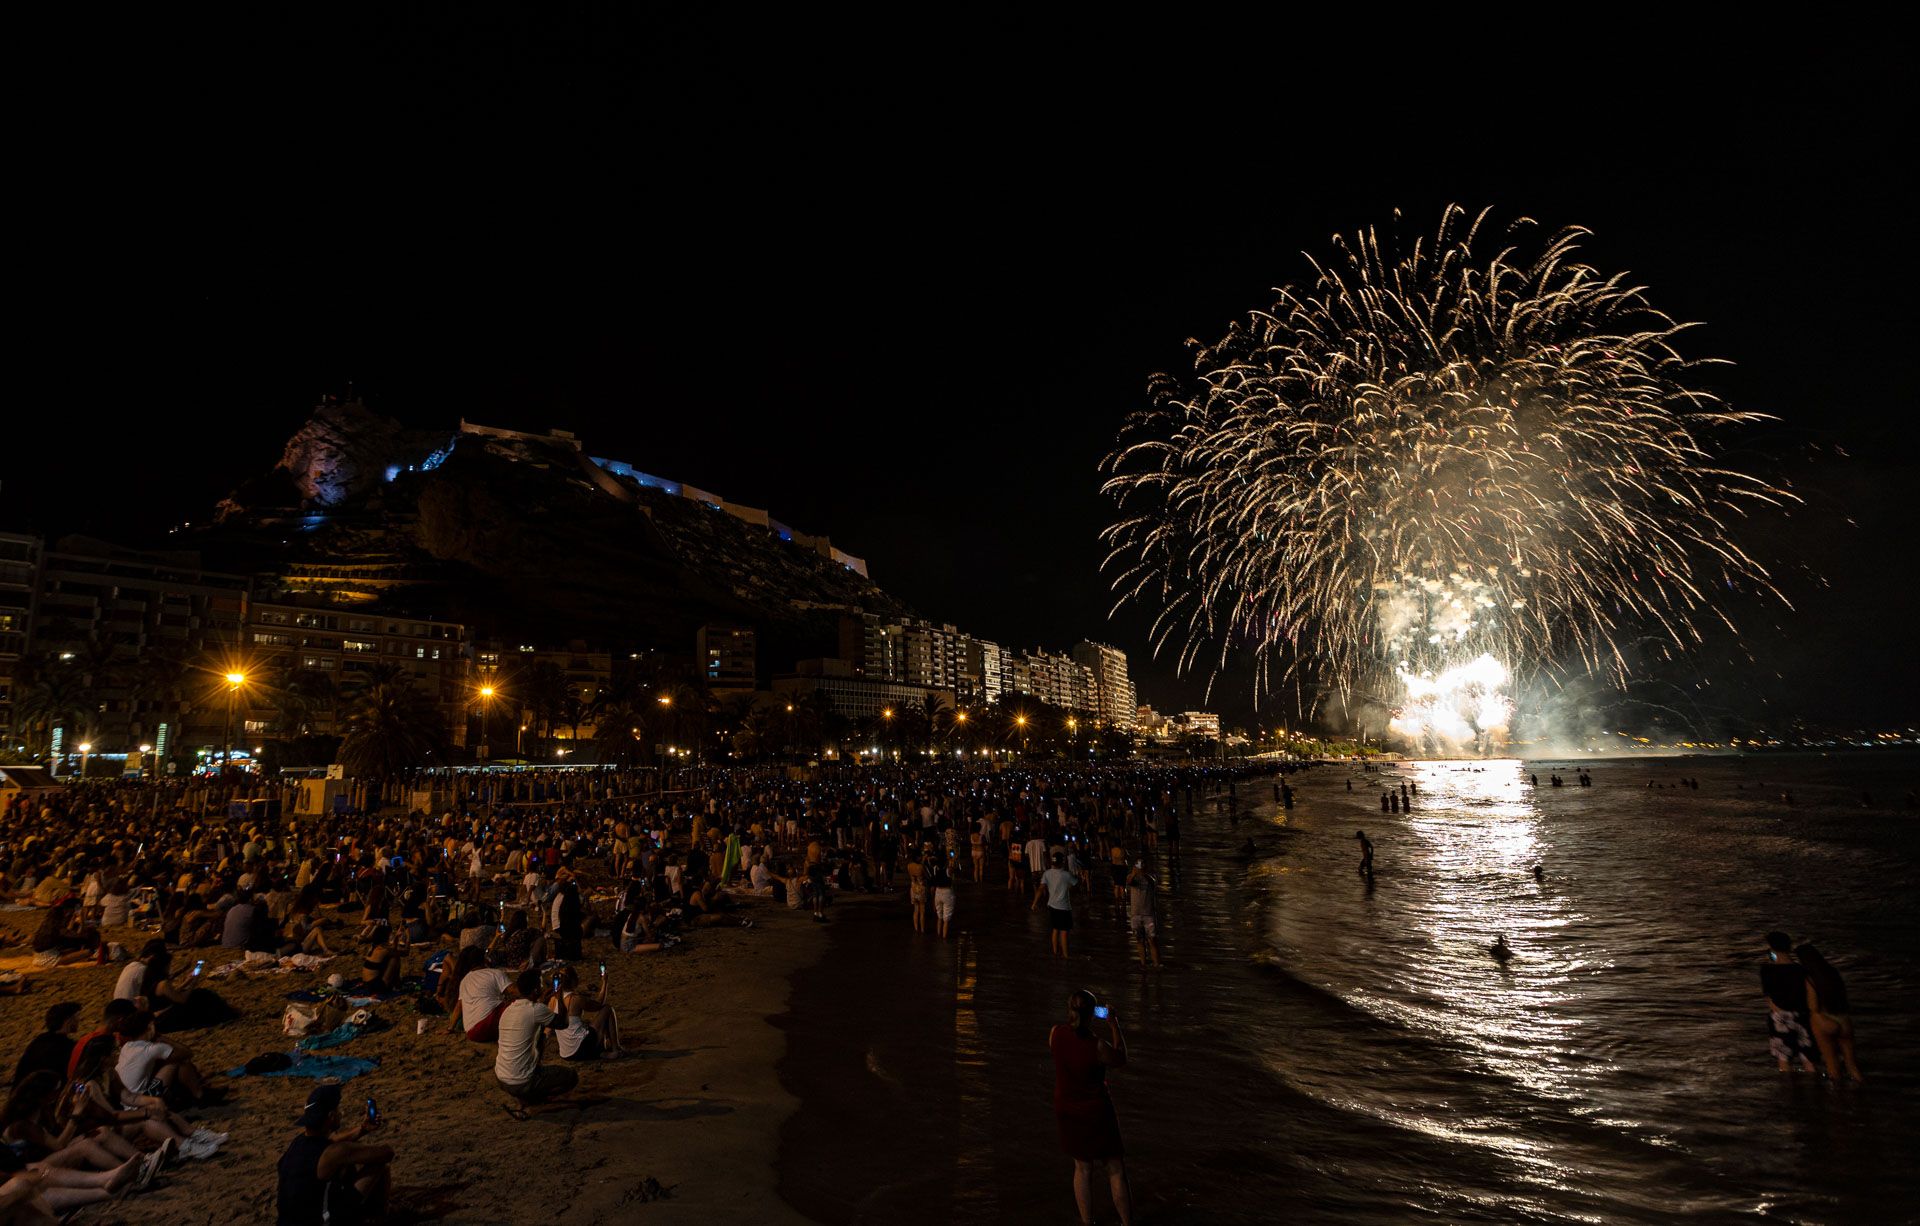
x: 486, y: 705
x: 86, y: 748
x: 234, y: 681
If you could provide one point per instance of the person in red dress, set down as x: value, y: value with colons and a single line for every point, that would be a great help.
x: 1089, y: 1130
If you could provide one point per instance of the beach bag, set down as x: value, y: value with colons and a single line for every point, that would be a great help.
x: 299, y: 1020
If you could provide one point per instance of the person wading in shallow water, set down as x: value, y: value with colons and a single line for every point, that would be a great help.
x: 1089, y: 1129
x: 1366, y: 853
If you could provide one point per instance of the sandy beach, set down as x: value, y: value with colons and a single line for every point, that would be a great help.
x: 699, y: 1109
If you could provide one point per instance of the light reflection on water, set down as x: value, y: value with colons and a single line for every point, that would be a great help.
x: 1624, y: 1027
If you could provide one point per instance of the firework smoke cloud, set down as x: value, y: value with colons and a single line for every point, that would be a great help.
x: 1473, y: 448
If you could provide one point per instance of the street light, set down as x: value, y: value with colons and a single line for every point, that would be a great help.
x: 144, y: 751
x: 86, y: 747
x: 234, y: 682
x: 486, y: 705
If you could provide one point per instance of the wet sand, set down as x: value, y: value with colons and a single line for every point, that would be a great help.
x: 699, y: 1109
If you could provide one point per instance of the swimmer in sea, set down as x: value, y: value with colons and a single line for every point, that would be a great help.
x: 1540, y: 872
x: 1501, y: 951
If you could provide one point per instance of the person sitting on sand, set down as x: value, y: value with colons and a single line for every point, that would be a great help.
x: 33, y: 1126
x: 200, y: 924
x: 52, y: 1049
x: 381, y: 965
x: 303, y: 933
x: 593, y: 1032
x: 519, y: 946
x: 447, y: 992
x: 62, y: 939
x: 43, y: 1194
x: 523, y: 1028
x: 100, y: 1098
x: 329, y: 1174
x: 174, y: 1006
x: 148, y: 1066
x: 480, y: 999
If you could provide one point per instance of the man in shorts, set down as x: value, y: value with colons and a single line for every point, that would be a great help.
x: 1056, y: 886
x: 1142, y: 892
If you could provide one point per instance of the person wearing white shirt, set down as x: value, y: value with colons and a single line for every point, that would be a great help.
x: 1056, y: 886
x: 523, y: 1030
x: 483, y: 997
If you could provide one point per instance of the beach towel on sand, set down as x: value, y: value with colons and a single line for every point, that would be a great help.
x: 346, y: 1068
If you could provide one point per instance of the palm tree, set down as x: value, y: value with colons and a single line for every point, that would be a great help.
x: 543, y: 692
x: 617, y: 736
x: 391, y: 726
x: 815, y: 721
x: 297, y: 695
x: 56, y: 697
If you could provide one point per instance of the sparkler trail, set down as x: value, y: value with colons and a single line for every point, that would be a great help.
x: 1423, y: 457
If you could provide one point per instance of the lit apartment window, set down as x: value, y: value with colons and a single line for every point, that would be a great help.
x: 358, y: 645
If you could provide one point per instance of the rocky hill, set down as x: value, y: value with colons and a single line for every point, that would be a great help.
x: 523, y: 536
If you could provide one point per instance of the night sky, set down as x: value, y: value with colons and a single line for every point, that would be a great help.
x: 901, y: 284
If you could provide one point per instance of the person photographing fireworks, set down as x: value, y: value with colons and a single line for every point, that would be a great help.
x: 1089, y: 1128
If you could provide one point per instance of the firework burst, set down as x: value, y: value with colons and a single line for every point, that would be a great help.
x: 1468, y: 447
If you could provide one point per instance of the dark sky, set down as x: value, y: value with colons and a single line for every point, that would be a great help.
x: 900, y: 284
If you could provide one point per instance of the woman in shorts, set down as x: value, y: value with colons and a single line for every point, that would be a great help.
x: 942, y: 896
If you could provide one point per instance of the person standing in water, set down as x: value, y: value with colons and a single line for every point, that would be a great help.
x: 1366, y: 853
x: 1783, y: 984
x: 1827, y: 1011
x: 1056, y: 886
x: 1082, y: 1108
x: 1141, y: 890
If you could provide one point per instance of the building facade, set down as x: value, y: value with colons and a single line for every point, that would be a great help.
x: 309, y: 657
x: 1113, y: 691
x: 140, y: 638
x: 726, y: 658
x: 19, y: 577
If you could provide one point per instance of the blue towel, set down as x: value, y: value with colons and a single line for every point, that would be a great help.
x: 345, y: 1032
x: 344, y: 1067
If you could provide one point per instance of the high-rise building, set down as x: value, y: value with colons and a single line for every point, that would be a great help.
x: 1113, y: 690
x: 725, y: 657
x: 19, y: 576
x: 321, y: 651
x: 982, y: 672
x: 143, y: 637
x: 1201, y: 723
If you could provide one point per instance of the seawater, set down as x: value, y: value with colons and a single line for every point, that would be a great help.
x: 1324, y: 1048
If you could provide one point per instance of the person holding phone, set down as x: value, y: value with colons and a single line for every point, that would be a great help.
x: 523, y: 1026
x: 1089, y: 1129
x: 593, y: 1032
x: 330, y: 1174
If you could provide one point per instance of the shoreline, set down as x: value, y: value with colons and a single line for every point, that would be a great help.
x: 700, y: 1108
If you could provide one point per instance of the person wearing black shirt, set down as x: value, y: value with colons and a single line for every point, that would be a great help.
x: 52, y: 1049
x: 1783, y: 982
x: 329, y: 1175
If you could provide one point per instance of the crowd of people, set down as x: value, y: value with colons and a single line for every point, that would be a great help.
x: 483, y: 913
x: 508, y: 886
